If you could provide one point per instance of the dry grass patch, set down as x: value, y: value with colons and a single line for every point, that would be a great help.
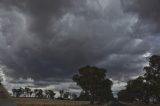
x: 141, y: 104
x: 48, y: 102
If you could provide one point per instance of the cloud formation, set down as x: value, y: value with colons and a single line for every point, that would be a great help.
x: 147, y: 11
x: 48, y: 40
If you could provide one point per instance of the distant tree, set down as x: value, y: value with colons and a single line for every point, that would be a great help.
x: 66, y: 95
x: 38, y: 93
x: 50, y: 94
x: 18, y: 92
x: 27, y: 91
x: 14, y: 92
x: 30, y: 93
x: 61, y: 92
x: 93, y: 80
x: 84, y: 96
x: 74, y: 96
x: 123, y: 95
x: 47, y: 94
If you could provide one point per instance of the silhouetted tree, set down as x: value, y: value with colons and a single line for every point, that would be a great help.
x: 18, y: 92
x: 152, y: 76
x: 50, y: 94
x: 14, y: 92
x: 30, y: 93
x: 61, y: 92
x: 38, y: 93
x: 27, y: 91
x: 145, y: 88
x: 74, y: 96
x: 136, y: 90
x: 124, y: 95
x: 66, y: 95
x: 93, y: 80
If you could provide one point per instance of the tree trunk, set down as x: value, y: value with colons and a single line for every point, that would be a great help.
x: 147, y: 101
x: 92, y: 99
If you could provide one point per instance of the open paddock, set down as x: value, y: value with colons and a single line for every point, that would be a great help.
x: 48, y: 102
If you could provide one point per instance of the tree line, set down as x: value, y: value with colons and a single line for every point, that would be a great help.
x: 40, y: 93
x: 145, y: 88
x: 95, y: 87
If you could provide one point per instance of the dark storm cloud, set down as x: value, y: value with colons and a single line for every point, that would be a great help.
x: 148, y: 23
x: 49, y: 40
x: 24, y: 55
x: 41, y: 13
x: 147, y: 11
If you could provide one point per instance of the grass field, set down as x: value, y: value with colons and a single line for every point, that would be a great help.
x: 141, y: 104
x: 48, y: 102
x: 145, y: 105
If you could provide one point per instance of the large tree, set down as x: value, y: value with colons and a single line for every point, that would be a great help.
x: 136, y: 90
x: 147, y: 87
x: 152, y: 76
x: 93, y: 80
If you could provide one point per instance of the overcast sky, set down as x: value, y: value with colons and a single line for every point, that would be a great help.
x: 44, y: 42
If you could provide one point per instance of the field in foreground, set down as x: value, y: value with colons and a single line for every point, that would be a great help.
x: 145, y: 105
x: 141, y: 104
x: 48, y: 102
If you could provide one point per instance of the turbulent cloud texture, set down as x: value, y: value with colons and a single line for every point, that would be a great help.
x: 147, y: 11
x: 48, y: 40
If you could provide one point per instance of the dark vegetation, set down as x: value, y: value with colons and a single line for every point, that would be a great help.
x: 145, y: 88
x: 37, y: 93
x: 42, y: 94
x: 95, y: 87
x: 94, y: 83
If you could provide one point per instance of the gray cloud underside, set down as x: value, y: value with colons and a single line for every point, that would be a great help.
x: 49, y: 40
x: 147, y: 11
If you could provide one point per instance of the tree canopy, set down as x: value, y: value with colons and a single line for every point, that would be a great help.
x: 145, y: 88
x: 93, y: 81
